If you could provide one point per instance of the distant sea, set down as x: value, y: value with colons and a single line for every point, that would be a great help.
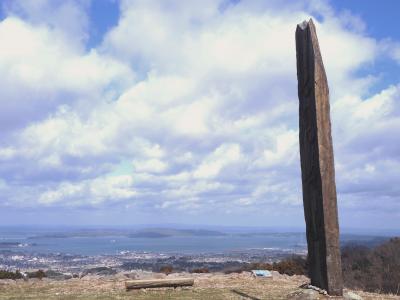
x: 92, y: 242
x: 46, y: 242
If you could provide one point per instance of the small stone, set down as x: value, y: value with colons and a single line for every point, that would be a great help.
x: 159, y: 276
x: 276, y: 275
x: 351, y: 296
x: 131, y: 275
x: 305, y: 295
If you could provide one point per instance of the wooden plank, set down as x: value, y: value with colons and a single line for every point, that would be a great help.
x: 158, y: 283
x: 317, y: 164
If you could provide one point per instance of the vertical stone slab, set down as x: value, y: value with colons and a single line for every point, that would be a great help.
x: 317, y: 164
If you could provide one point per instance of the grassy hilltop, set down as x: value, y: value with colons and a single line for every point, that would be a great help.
x: 207, y: 286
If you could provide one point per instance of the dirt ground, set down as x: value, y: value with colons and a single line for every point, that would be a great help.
x: 207, y: 286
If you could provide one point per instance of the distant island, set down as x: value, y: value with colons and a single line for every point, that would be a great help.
x: 142, y: 233
x: 165, y: 232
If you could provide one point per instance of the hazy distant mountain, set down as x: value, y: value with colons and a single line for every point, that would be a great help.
x: 168, y: 232
x: 141, y: 233
x: 81, y: 233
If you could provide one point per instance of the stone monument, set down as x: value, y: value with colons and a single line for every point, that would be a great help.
x: 317, y: 164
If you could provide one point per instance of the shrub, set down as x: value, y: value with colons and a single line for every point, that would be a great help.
x: 166, y: 269
x: 40, y: 274
x: 376, y: 269
x: 200, y: 270
x: 10, y: 275
x: 260, y: 266
x: 235, y: 270
x: 294, y: 265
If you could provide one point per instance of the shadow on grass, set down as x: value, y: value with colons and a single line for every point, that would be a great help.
x: 244, y: 295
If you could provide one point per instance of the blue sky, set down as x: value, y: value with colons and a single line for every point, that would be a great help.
x: 135, y: 112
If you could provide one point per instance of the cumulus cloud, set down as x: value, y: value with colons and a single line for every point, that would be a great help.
x: 95, y: 191
x: 57, y: 14
x: 185, y: 107
x: 42, y: 71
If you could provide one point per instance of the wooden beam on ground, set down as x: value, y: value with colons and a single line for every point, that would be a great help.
x: 317, y: 164
x: 158, y: 283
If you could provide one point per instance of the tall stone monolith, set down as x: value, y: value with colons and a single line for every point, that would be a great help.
x: 317, y: 164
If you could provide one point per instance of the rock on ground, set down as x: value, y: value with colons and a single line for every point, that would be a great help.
x: 351, y: 296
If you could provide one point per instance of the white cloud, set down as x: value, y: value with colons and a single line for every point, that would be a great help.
x: 284, y: 150
x: 33, y: 55
x: 90, y: 192
x: 223, y: 156
x: 150, y: 166
x: 192, y: 112
x: 41, y: 70
x: 7, y: 153
x: 55, y: 14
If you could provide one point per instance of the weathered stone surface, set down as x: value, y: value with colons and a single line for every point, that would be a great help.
x: 317, y: 164
x: 351, y: 296
x: 305, y: 295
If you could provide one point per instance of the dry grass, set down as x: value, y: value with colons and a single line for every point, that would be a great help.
x: 207, y: 286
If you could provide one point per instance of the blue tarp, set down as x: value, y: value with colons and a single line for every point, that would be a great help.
x: 261, y: 273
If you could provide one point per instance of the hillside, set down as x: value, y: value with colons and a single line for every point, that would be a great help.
x: 207, y: 286
x: 372, y: 269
